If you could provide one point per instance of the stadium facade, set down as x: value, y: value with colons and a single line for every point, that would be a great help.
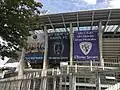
x: 78, y: 51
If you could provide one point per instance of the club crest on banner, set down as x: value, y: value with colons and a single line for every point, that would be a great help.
x: 58, y: 48
x: 85, y: 47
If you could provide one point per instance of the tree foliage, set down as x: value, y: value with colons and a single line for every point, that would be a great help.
x: 16, y: 17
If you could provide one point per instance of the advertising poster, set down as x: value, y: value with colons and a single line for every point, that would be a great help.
x: 58, y: 47
x: 86, y: 45
x: 35, y: 47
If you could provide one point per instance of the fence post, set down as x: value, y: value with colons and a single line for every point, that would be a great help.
x: 19, y: 84
x: 76, y: 68
x: 91, y: 65
x: 68, y: 69
x: 98, y: 82
x: 60, y: 84
x: 72, y: 82
x: 54, y: 83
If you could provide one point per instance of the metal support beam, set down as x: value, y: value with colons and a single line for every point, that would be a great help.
x: 64, y: 22
x: 116, y: 30
x: 112, y: 27
x: 107, y: 21
x: 51, y: 22
x: 88, y: 21
x: 78, y: 21
x: 100, y: 43
x: 71, y: 44
x: 92, y: 19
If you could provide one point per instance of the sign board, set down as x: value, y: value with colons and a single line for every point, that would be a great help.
x: 35, y: 47
x: 86, y: 45
x: 58, y: 47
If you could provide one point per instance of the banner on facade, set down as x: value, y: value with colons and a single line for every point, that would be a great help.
x: 58, y: 47
x: 35, y: 47
x: 86, y: 45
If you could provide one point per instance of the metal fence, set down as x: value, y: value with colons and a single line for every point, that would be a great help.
x: 76, y: 77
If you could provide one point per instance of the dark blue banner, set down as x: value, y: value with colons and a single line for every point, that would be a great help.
x: 86, y: 45
x: 58, y: 47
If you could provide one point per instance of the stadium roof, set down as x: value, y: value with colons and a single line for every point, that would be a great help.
x: 110, y: 18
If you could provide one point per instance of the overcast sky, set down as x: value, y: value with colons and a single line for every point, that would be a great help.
x: 58, y: 6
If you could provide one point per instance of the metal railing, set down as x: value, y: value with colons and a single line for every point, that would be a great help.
x: 79, y: 76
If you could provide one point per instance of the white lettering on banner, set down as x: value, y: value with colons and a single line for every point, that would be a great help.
x: 81, y: 33
x: 86, y: 39
x: 58, y: 34
x: 53, y: 38
x: 84, y: 36
x: 33, y: 58
x: 87, y: 57
x: 58, y: 58
x: 79, y: 57
x: 88, y: 35
x: 92, y: 57
x: 58, y: 37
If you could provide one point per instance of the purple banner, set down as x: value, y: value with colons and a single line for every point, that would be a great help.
x: 86, y: 45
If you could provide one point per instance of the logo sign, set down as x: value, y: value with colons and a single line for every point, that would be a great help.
x: 58, y: 47
x: 86, y: 45
x: 35, y: 48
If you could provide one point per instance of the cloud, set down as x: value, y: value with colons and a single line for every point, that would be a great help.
x: 90, y: 1
x: 57, y: 6
x: 114, y: 4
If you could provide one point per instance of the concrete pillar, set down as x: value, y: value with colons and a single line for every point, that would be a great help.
x: 71, y: 44
x: 72, y: 80
x: 21, y: 63
x: 100, y: 43
x: 44, y: 71
x: 46, y: 48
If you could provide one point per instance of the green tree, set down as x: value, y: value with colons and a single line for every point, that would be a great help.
x: 16, y: 18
